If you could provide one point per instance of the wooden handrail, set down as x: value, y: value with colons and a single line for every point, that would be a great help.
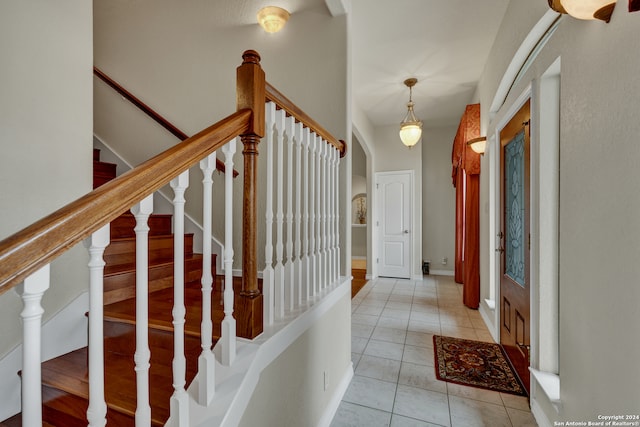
x: 28, y: 250
x: 282, y: 102
x: 149, y: 111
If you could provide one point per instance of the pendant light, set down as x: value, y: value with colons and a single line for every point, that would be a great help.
x: 478, y: 144
x: 272, y: 18
x: 410, y: 128
x: 585, y: 9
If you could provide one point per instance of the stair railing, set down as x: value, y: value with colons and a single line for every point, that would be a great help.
x: 155, y: 116
x: 312, y: 256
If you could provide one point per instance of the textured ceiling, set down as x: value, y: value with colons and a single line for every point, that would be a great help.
x: 243, y: 12
x: 443, y: 43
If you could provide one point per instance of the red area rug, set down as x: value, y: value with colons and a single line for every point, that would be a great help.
x: 476, y: 364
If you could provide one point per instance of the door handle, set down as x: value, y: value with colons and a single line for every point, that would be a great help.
x: 501, y: 247
x: 526, y: 351
x: 406, y: 231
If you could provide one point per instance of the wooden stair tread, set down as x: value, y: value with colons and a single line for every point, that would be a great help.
x: 161, y: 306
x: 123, y: 225
x: 151, y: 237
x: 68, y: 373
x: 16, y: 421
x: 128, y: 267
x: 65, y: 378
x: 122, y: 250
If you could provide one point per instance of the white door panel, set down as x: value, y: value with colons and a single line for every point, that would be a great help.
x: 394, y: 191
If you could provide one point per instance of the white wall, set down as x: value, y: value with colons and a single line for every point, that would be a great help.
x: 358, y: 186
x: 438, y: 198
x: 291, y: 390
x: 598, y: 208
x: 364, y: 133
x: 392, y: 155
x: 182, y: 62
x: 45, y: 132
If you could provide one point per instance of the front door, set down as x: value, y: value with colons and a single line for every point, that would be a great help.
x: 394, y: 195
x: 515, y: 242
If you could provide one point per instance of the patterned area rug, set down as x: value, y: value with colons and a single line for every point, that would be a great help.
x: 476, y: 364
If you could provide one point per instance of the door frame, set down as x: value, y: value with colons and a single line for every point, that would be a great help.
x: 494, y: 257
x: 520, y: 299
x: 412, y: 220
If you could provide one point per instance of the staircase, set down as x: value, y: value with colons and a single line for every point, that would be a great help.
x: 65, y: 378
x: 306, y: 265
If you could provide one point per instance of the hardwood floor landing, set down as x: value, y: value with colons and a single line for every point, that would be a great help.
x: 359, y: 272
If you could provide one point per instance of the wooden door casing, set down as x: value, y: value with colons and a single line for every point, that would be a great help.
x: 515, y: 242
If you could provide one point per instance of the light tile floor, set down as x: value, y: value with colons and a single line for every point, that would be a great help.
x: 392, y: 326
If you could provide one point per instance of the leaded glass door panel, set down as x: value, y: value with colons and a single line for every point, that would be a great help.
x: 515, y: 242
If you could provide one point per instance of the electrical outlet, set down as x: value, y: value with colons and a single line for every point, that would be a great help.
x: 444, y: 261
x: 326, y: 380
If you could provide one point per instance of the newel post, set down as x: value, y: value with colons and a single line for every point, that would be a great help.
x: 251, y: 95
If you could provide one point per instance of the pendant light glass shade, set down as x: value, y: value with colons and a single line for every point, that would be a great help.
x: 411, y: 127
x: 585, y: 9
x: 478, y: 144
x: 272, y: 18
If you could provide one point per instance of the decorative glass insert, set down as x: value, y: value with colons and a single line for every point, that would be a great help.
x: 514, y: 208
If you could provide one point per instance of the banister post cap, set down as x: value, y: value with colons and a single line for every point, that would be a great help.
x: 250, y: 57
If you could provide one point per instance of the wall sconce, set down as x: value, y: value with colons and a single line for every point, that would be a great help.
x: 272, y: 18
x: 585, y: 9
x: 410, y: 128
x: 478, y: 144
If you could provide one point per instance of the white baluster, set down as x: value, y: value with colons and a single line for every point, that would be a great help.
x: 325, y: 213
x: 206, y: 360
x: 228, y: 323
x: 306, y: 267
x: 318, y: 221
x: 312, y: 214
x: 31, y: 292
x: 333, y: 225
x: 279, y: 268
x: 336, y: 175
x: 268, y: 274
x: 297, y: 263
x: 179, y: 403
x: 290, y: 294
x: 141, y: 212
x: 330, y: 219
x: 97, y: 410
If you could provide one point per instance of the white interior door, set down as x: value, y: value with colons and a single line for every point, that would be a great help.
x: 394, y: 195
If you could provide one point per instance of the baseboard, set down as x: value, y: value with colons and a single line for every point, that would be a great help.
x: 64, y: 332
x: 539, y: 415
x: 489, y: 319
x: 441, y: 273
x: 334, y: 404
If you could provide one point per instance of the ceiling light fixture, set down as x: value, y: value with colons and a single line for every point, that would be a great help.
x: 410, y: 128
x: 478, y: 144
x: 585, y: 9
x: 272, y: 18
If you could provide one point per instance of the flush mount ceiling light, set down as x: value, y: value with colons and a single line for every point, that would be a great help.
x: 478, y: 144
x: 410, y: 128
x: 585, y: 9
x: 272, y: 18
